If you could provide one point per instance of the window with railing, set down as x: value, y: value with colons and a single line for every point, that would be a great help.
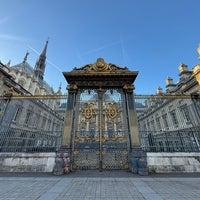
x: 165, y: 121
x: 17, y: 113
x: 174, y: 117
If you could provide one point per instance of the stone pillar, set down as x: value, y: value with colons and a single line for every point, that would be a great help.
x: 138, y: 162
x: 138, y: 158
x: 66, y: 139
x: 132, y: 120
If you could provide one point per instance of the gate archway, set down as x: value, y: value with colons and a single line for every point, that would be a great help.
x: 100, y: 127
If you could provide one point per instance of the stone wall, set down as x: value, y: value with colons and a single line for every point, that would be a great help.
x: 27, y: 162
x: 173, y: 162
x: 44, y: 162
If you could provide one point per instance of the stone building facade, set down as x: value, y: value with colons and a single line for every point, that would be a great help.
x: 170, y: 121
x: 30, y: 116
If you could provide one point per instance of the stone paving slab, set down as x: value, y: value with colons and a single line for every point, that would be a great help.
x: 99, y: 188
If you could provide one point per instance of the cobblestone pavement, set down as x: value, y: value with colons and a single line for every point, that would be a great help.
x: 91, y: 185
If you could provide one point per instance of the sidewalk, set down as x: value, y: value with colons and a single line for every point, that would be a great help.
x: 94, y: 185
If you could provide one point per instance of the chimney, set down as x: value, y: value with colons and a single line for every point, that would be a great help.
x: 169, y: 84
x: 184, y: 72
x: 159, y: 91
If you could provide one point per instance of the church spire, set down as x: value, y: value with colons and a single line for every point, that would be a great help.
x: 26, y: 56
x: 40, y: 64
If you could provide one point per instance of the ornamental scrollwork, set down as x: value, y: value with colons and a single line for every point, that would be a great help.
x: 112, y: 111
x: 100, y: 66
x: 89, y: 110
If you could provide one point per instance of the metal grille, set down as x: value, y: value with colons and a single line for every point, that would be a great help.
x: 31, y: 124
x: 115, y: 159
x: 35, y: 124
x: 23, y: 140
x: 100, y: 131
x: 168, y: 123
x: 86, y: 159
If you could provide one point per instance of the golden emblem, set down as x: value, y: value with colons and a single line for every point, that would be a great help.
x: 126, y: 165
x: 87, y: 138
x: 111, y: 110
x: 75, y: 153
x: 104, y: 166
x: 97, y: 166
x: 88, y: 110
x: 101, y: 66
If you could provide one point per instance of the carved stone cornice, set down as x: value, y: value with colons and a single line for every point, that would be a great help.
x: 128, y: 88
x: 100, y: 66
x: 100, y: 74
x: 72, y: 88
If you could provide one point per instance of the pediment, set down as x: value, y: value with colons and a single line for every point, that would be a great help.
x: 100, y: 66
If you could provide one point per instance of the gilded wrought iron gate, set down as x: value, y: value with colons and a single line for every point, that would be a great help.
x: 100, y: 130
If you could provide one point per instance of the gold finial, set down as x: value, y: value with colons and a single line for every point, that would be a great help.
x: 198, y: 51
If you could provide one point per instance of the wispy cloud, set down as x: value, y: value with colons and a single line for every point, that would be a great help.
x: 11, y: 37
x: 101, y: 48
x: 54, y: 65
x: 34, y: 50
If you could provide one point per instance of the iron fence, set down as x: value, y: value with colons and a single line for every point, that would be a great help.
x: 24, y: 140
x: 36, y: 124
x: 187, y: 140
x: 169, y: 123
x: 31, y: 124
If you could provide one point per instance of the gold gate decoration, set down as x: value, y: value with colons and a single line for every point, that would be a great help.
x: 100, y: 102
x: 111, y: 111
x: 101, y: 139
x: 88, y: 110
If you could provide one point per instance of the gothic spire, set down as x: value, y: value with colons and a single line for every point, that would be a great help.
x: 8, y: 64
x: 40, y: 64
x: 26, y: 56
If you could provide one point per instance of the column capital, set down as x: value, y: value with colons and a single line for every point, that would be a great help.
x: 128, y: 88
x: 72, y: 88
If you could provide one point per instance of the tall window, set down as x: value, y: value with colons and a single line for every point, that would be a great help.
x: 152, y: 125
x: 44, y: 120
x: 17, y: 114
x: 158, y: 124
x: 165, y: 121
x: 29, y: 115
x: 36, y: 120
x: 174, y: 117
x: 49, y: 124
x: 185, y: 112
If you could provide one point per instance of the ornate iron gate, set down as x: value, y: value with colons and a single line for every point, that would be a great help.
x: 101, y: 136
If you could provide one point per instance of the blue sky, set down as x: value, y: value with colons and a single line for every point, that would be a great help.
x: 149, y: 36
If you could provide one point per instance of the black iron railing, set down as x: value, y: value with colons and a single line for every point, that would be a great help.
x: 24, y: 140
x: 187, y: 140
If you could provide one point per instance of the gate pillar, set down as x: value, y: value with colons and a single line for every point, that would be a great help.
x: 131, y: 116
x: 101, y: 123
x: 66, y: 139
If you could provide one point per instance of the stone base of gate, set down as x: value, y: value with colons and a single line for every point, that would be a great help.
x: 174, y: 162
x: 138, y: 162
x: 26, y: 162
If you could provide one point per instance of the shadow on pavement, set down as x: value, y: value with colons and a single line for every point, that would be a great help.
x: 96, y: 173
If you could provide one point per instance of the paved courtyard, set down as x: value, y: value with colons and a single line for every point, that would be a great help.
x: 98, y: 185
